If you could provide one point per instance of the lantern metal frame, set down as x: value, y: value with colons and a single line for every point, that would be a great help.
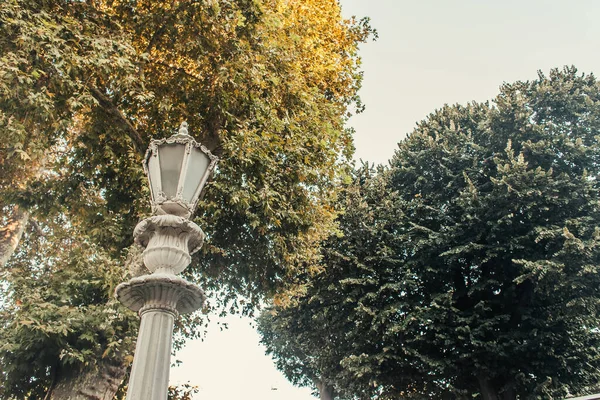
x: 159, y: 199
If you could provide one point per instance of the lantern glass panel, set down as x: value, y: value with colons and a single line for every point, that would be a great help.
x: 170, y: 157
x: 154, y: 175
x: 197, y: 165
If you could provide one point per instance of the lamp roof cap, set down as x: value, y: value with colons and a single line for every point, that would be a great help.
x: 183, y: 131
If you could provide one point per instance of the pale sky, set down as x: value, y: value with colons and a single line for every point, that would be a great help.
x: 429, y: 52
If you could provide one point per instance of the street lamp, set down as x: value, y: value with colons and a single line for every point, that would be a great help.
x: 177, y: 168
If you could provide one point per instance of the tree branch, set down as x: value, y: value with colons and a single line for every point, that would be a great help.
x: 11, y: 233
x: 118, y: 117
x: 157, y: 34
x: 52, y: 382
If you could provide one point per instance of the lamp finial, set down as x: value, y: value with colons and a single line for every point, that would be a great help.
x: 183, y: 128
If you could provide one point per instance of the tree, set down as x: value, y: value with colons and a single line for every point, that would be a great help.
x: 84, y: 86
x: 484, y: 280
x: 308, y: 337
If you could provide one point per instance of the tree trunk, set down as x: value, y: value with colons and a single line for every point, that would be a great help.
x: 326, y: 391
x: 98, y: 382
x: 11, y: 233
x: 510, y: 392
x: 487, y: 389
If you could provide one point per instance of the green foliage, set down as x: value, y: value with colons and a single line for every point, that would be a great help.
x: 474, y: 272
x: 183, y: 392
x: 85, y: 85
x: 309, y: 338
x: 59, y: 311
x: 289, y: 356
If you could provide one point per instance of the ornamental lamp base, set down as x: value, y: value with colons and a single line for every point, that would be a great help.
x: 160, y: 291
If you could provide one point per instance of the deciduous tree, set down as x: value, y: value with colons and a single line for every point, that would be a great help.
x: 84, y: 86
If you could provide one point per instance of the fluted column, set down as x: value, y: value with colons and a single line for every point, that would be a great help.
x: 150, y: 371
x: 159, y: 298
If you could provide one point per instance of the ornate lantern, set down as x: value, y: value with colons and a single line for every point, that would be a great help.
x: 177, y: 168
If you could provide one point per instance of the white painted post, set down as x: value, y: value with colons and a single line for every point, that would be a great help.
x: 150, y: 371
x: 159, y: 298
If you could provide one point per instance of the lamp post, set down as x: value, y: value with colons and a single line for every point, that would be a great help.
x: 177, y: 168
